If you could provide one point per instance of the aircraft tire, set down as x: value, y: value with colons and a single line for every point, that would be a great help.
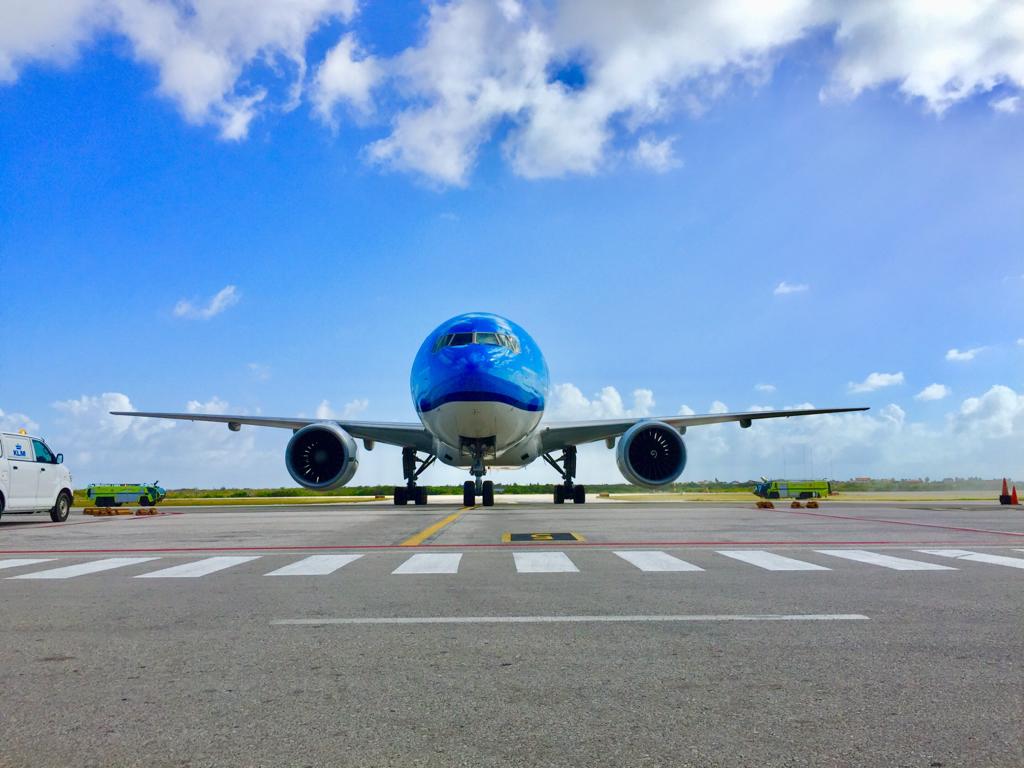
x: 401, y: 498
x: 468, y: 493
x: 488, y: 493
x: 579, y: 494
x: 559, y: 494
x: 421, y: 495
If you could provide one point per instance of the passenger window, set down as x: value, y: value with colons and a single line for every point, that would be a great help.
x: 43, y: 455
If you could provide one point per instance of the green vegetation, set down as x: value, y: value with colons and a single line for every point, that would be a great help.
x: 974, y: 484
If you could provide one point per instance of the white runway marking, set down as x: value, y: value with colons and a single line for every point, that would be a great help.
x: 770, y: 561
x: 198, y: 568
x: 976, y: 557
x: 573, y: 619
x: 24, y: 561
x: 432, y: 563
x: 95, y: 566
x: 544, y: 562
x: 315, y: 565
x: 886, y: 561
x: 656, y: 561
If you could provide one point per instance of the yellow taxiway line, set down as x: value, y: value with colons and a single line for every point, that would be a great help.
x: 426, y: 533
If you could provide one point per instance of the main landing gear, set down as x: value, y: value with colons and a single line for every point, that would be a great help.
x: 565, y: 465
x: 412, y: 467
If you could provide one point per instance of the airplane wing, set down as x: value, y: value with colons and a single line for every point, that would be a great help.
x: 391, y: 433
x: 558, y: 434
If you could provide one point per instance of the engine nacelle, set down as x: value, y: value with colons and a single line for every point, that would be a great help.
x: 651, y: 454
x: 321, y: 456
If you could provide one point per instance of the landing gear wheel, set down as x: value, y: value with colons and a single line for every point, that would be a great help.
x: 62, y: 508
x: 579, y: 494
x: 421, y: 495
x: 468, y: 493
x: 488, y: 493
x: 559, y: 494
x: 401, y: 496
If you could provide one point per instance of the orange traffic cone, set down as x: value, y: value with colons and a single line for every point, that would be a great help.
x: 1004, y: 497
x: 1013, y: 497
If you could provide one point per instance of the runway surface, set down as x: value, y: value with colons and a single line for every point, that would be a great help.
x: 613, y: 634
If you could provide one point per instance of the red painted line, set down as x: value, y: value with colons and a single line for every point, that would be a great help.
x: 959, y: 529
x: 512, y: 545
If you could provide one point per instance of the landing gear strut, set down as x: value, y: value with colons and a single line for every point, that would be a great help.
x: 565, y: 465
x: 478, y: 487
x: 412, y: 467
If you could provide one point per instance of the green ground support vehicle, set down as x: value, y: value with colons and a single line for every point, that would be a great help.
x: 114, y: 495
x: 793, y: 489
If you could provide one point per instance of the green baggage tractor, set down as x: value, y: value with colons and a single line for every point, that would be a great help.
x: 114, y: 495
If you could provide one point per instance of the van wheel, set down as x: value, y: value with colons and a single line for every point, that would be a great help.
x: 2, y: 505
x: 62, y: 508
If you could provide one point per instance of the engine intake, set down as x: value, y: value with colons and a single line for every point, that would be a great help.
x: 321, y: 456
x: 651, y: 454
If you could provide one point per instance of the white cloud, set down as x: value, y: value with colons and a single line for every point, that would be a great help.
x: 933, y: 392
x: 346, y: 74
x: 12, y: 422
x: 963, y: 356
x: 259, y: 371
x: 226, y: 297
x: 348, y: 411
x: 784, y: 288
x: 203, y: 50
x: 765, y: 387
x: 483, y: 69
x: 876, y: 381
x: 1020, y: 342
x: 658, y: 156
x: 1008, y: 105
x: 569, y: 403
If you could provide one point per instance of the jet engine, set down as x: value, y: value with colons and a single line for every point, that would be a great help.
x: 321, y: 456
x: 651, y: 454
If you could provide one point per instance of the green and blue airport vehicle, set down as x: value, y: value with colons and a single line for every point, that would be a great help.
x: 114, y: 495
x: 793, y: 489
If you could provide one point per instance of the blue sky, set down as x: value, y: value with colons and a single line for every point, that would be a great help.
x: 649, y: 258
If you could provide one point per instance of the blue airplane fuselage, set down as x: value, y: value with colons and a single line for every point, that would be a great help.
x: 479, y: 380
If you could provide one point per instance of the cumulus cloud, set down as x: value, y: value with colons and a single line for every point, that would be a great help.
x: 1008, y: 105
x: 933, y: 392
x: 785, y: 288
x: 482, y: 69
x: 1020, y: 342
x: 349, y: 410
x: 226, y: 297
x: 202, y: 50
x: 876, y: 381
x: 567, y: 402
x: 347, y: 74
x: 765, y: 388
x: 100, y: 447
x: 658, y: 156
x: 12, y: 422
x: 963, y: 356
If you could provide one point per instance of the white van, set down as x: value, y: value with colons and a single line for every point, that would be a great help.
x: 32, y: 478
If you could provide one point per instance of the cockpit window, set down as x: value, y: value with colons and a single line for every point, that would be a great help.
x: 487, y: 338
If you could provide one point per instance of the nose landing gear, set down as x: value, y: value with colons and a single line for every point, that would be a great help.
x: 479, y: 487
x: 412, y: 467
x: 565, y: 465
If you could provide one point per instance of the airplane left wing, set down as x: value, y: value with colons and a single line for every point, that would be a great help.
x: 405, y: 435
x: 557, y: 435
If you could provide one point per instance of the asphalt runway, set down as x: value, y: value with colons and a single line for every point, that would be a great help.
x: 675, y: 634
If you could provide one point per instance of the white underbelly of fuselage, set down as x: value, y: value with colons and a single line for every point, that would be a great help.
x: 452, y: 422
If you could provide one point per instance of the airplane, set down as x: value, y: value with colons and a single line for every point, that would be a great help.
x: 479, y: 385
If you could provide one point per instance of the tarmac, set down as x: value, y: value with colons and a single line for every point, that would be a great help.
x: 524, y: 634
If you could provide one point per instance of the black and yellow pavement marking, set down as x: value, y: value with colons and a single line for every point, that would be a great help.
x: 509, y: 537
